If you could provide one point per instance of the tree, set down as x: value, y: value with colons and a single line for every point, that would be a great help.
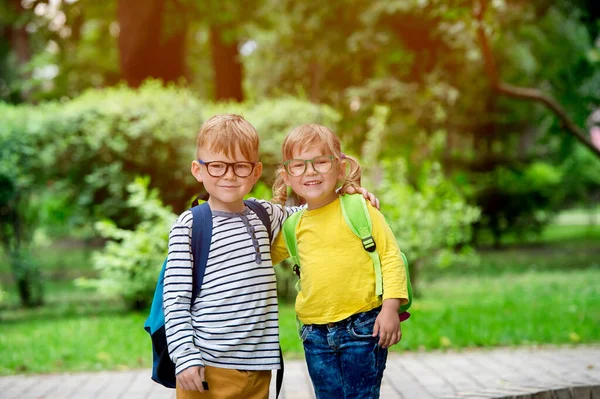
x: 12, y: 25
x: 152, y: 40
x: 226, y: 65
x: 524, y: 93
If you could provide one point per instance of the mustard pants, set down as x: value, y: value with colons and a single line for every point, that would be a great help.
x: 231, y: 384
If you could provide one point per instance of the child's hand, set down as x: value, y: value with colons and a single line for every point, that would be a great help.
x: 387, y: 326
x: 191, y: 379
x: 361, y: 190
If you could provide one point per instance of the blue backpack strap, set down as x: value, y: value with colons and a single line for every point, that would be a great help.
x: 201, y: 238
x: 262, y: 214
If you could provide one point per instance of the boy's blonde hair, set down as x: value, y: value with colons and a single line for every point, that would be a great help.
x: 306, y: 136
x: 225, y: 134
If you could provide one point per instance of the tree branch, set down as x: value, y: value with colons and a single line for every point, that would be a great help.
x: 523, y: 93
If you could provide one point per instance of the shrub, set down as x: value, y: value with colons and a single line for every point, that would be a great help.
x: 130, y: 263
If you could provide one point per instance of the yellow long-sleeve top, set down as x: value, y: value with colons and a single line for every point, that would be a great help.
x: 337, y: 275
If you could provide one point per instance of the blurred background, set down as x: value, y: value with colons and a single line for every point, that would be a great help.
x: 477, y: 124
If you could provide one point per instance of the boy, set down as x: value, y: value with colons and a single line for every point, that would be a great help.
x: 230, y: 338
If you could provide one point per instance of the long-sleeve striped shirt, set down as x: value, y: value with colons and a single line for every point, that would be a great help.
x: 233, y: 322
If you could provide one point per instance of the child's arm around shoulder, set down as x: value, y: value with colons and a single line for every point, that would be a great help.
x: 277, y: 214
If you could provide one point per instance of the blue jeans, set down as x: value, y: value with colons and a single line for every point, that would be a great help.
x: 344, y: 361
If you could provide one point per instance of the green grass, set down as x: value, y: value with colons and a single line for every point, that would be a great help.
x: 559, y: 248
x: 74, y: 343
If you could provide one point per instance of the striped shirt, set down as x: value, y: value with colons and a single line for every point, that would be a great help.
x: 234, y: 320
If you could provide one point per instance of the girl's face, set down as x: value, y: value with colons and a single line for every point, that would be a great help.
x: 318, y: 182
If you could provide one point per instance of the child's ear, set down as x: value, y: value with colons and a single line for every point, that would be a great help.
x: 257, y: 172
x: 196, y: 171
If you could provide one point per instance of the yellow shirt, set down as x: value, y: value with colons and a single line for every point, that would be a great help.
x: 337, y: 275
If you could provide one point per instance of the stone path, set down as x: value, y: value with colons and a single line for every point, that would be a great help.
x: 548, y: 373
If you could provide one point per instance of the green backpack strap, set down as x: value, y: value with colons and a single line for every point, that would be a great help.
x: 354, y: 209
x: 406, y: 306
x: 289, y: 236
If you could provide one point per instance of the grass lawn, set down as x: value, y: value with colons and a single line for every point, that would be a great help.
x: 528, y: 294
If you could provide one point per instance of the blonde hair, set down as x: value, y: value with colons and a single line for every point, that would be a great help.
x: 226, y: 133
x: 306, y: 136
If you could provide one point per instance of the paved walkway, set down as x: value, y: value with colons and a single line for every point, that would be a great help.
x: 549, y: 373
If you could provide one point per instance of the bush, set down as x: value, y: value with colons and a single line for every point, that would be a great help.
x: 518, y: 201
x: 431, y: 221
x: 130, y: 263
x: 18, y: 210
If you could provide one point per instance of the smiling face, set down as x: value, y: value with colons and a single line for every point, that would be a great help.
x: 317, y: 188
x: 226, y: 192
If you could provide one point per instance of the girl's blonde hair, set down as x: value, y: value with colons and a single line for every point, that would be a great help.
x: 226, y: 134
x: 306, y: 136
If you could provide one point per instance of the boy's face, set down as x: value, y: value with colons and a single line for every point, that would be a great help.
x: 317, y: 188
x: 228, y: 190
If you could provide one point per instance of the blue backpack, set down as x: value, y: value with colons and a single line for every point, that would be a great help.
x: 163, y: 369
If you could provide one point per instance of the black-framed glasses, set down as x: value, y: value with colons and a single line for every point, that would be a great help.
x: 219, y: 168
x: 297, y: 167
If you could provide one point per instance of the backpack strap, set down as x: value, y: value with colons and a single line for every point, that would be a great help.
x: 356, y: 214
x: 262, y: 214
x: 289, y: 236
x: 201, y: 238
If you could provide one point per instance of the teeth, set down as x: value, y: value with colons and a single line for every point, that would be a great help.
x: 312, y: 183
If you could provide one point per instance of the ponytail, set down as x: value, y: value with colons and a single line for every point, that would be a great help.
x: 353, y: 177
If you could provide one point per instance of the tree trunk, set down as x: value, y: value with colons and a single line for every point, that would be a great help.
x: 151, y: 42
x: 227, y: 66
x: 19, y: 42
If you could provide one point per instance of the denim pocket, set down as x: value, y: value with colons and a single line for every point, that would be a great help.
x: 362, y: 326
x: 306, y: 329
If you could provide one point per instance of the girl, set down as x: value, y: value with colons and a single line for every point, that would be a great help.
x: 346, y: 328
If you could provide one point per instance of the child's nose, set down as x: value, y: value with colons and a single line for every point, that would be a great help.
x: 229, y: 173
x: 310, y: 168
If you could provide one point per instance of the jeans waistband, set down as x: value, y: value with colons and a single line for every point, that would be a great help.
x: 347, y: 320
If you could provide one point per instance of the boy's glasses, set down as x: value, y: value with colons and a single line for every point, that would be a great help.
x: 297, y: 167
x: 218, y: 168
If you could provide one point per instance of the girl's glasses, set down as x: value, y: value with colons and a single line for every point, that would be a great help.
x: 297, y: 167
x: 218, y: 168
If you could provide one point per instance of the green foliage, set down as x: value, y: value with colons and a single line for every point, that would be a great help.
x: 17, y: 209
x: 519, y: 200
x: 431, y: 219
x: 130, y: 263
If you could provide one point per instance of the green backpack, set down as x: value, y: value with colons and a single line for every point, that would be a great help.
x: 356, y: 214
